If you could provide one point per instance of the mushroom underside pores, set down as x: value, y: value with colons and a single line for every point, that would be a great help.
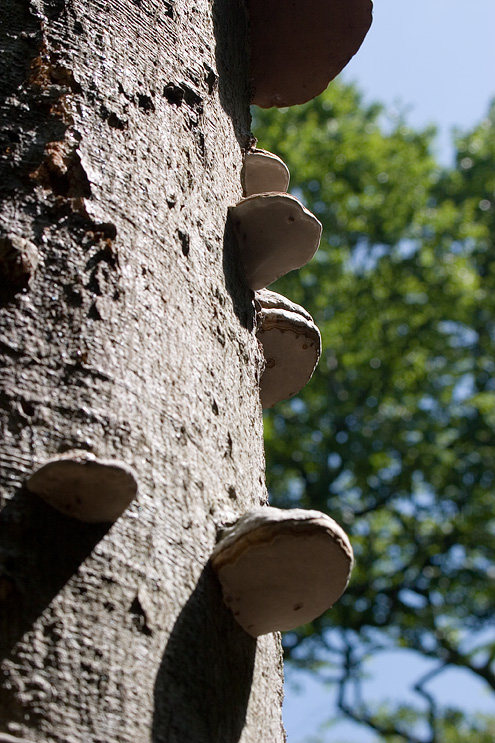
x: 264, y: 172
x: 280, y: 569
x: 276, y: 234
x: 291, y: 347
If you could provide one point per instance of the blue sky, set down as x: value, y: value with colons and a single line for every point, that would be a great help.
x: 434, y: 59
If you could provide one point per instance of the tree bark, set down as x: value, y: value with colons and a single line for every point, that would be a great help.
x: 126, y: 330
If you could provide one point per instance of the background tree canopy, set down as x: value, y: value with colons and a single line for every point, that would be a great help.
x: 394, y: 435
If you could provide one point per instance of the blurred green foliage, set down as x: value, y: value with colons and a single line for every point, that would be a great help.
x: 394, y: 435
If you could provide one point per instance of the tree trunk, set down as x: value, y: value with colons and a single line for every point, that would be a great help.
x: 127, y: 331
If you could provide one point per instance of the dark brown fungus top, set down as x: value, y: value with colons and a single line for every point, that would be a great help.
x: 299, y: 46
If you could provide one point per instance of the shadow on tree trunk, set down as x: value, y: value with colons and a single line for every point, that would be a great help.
x: 235, y: 279
x: 231, y: 27
x: 208, y: 650
x: 40, y: 549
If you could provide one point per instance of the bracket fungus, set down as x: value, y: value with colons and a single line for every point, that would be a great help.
x: 276, y: 234
x: 262, y: 172
x: 291, y: 347
x: 299, y: 46
x: 280, y: 569
x: 84, y: 487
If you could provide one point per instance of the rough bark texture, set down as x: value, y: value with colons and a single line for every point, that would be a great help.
x: 126, y: 330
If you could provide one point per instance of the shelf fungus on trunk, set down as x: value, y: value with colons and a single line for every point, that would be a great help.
x: 84, y: 487
x: 280, y: 569
x: 297, y: 47
x: 263, y: 172
x: 276, y: 234
x: 291, y: 346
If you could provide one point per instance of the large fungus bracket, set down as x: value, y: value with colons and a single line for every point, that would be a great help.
x: 299, y: 46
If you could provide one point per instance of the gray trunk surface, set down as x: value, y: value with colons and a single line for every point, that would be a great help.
x: 126, y: 330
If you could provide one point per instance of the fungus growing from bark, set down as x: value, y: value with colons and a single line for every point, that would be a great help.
x: 84, y: 487
x: 263, y: 172
x: 299, y: 46
x: 276, y: 234
x: 291, y: 347
x: 280, y: 569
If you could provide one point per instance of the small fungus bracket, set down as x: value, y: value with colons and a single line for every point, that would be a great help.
x: 264, y: 172
x: 291, y: 346
x: 84, y: 487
